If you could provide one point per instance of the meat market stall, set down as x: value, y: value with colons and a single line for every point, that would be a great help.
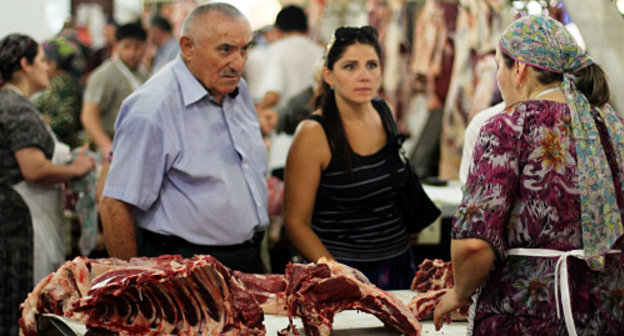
x: 171, y: 295
x: 346, y: 323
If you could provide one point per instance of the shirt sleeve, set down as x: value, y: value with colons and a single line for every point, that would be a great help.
x: 98, y: 91
x: 491, y: 186
x: 24, y: 129
x: 138, y: 166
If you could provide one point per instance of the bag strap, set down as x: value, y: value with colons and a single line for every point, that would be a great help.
x: 389, y: 124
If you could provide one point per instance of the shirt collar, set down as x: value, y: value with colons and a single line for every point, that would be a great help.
x: 192, y: 90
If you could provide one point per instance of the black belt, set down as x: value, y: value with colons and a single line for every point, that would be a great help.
x: 158, y: 239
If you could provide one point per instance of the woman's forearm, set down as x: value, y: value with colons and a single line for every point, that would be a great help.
x: 472, y: 261
x: 307, y: 242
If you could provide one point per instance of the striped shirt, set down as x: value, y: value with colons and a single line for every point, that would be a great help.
x: 356, y: 216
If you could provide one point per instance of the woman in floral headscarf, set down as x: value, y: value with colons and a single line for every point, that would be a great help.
x: 537, y: 239
x: 60, y: 103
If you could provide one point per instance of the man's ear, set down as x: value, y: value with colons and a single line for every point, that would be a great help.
x: 186, y: 46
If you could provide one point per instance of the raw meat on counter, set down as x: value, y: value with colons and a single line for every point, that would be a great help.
x: 268, y: 289
x: 433, y: 275
x: 433, y: 279
x: 423, y: 304
x: 60, y: 291
x: 147, y: 296
x: 316, y: 292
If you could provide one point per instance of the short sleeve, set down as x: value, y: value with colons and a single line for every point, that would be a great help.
x: 491, y: 186
x: 25, y: 129
x: 98, y: 91
x: 139, y: 160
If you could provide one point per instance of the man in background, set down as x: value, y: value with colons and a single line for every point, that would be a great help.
x: 290, y: 62
x: 111, y: 83
x: 161, y: 34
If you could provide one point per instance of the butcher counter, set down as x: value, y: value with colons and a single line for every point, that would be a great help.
x: 354, y: 323
x: 346, y: 323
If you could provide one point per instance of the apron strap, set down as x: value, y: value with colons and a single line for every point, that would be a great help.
x: 562, y: 287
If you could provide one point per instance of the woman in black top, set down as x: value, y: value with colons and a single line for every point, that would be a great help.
x: 341, y: 175
x: 26, y: 149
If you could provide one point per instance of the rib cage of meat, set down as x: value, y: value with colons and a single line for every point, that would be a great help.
x: 147, y: 296
x: 195, y: 296
x: 316, y: 292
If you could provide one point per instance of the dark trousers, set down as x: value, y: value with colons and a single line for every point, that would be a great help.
x: 243, y: 257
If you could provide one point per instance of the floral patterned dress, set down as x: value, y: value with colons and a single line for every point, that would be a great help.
x: 523, y: 192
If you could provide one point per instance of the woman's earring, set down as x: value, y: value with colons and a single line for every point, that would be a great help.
x: 516, y: 86
x: 331, y: 87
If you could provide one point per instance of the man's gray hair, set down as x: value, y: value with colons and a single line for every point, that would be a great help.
x: 224, y: 9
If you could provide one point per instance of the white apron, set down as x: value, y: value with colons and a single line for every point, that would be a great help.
x: 45, y: 203
x: 562, y: 289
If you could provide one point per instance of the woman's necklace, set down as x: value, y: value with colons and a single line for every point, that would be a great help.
x: 547, y: 91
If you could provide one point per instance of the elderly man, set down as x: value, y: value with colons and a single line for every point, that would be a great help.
x: 189, y: 163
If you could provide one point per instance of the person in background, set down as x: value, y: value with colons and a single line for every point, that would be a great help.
x: 189, y: 164
x: 537, y: 240
x: 161, y: 35
x: 289, y: 65
x: 111, y: 83
x: 100, y: 55
x: 340, y: 188
x: 60, y: 104
x: 256, y: 60
x: 472, y: 134
x: 32, y: 241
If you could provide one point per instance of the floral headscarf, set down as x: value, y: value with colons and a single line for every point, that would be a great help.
x: 545, y: 43
x: 66, y: 53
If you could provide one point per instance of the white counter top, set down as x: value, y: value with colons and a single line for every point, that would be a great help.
x: 448, y: 197
x: 354, y: 323
x: 346, y: 323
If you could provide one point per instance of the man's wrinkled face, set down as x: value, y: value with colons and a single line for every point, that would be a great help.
x: 216, y: 52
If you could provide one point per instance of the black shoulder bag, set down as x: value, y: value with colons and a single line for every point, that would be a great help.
x: 417, y: 210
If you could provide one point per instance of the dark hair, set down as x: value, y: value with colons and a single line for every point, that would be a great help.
x: 326, y: 100
x: 590, y: 80
x: 291, y: 18
x: 130, y: 30
x: 160, y: 22
x: 12, y: 48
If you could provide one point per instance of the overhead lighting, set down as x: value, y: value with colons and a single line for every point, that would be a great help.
x: 534, y: 8
x: 518, y: 5
x: 620, y: 6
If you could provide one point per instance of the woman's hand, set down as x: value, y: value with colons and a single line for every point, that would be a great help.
x: 82, y: 164
x: 448, y: 304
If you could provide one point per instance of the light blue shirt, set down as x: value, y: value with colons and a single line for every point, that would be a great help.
x: 191, y: 168
x: 165, y: 53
